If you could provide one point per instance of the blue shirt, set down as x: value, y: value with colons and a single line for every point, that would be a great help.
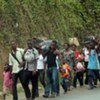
x: 93, y: 64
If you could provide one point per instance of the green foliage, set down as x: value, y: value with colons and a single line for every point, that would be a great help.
x: 56, y: 19
x: 59, y: 19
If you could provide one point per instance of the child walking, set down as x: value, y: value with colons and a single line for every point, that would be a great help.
x: 79, y: 71
x: 65, y: 74
x: 7, y: 81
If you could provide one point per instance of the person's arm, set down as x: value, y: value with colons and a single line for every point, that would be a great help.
x: 57, y: 52
x: 45, y: 63
x: 10, y: 62
x: 23, y: 51
x: 35, y: 66
x: 35, y: 61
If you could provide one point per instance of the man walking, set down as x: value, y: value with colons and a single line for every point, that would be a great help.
x: 30, y: 57
x: 52, y: 71
x: 16, y: 62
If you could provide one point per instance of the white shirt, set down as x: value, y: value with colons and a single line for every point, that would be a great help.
x: 86, y: 53
x: 40, y: 62
x: 57, y: 62
x: 13, y: 62
x: 30, y: 57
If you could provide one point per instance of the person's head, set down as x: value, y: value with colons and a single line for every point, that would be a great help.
x: 73, y: 47
x: 80, y: 58
x: 53, y: 45
x: 66, y: 46
x: 30, y: 44
x: 34, y: 41
x: 87, y: 44
x: 6, y: 67
x: 64, y: 61
x: 13, y: 45
x: 39, y: 50
x: 92, y: 45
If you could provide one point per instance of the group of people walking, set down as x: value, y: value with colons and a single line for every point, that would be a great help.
x: 33, y: 65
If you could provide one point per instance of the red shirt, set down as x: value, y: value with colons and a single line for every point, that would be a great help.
x: 76, y: 53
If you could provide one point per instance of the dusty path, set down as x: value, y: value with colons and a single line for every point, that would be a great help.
x: 75, y: 94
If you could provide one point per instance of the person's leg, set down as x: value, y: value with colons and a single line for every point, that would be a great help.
x: 96, y: 78
x: 48, y: 84
x: 75, y: 81
x: 14, y: 86
x: 86, y: 80
x: 54, y: 78
x: 99, y: 74
x: 24, y: 78
x: 90, y: 79
x: 10, y: 89
x: 64, y: 84
x: 42, y: 78
x: 34, y: 85
x: 58, y: 84
x: 80, y: 78
x: 86, y: 72
x: 4, y: 92
x: 69, y: 82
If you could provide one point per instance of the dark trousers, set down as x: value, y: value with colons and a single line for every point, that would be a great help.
x: 36, y: 83
x: 79, y: 76
x: 15, y: 78
x: 97, y: 77
x: 93, y: 76
x: 64, y: 83
x: 40, y: 76
x: 86, y: 73
x: 29, y: 76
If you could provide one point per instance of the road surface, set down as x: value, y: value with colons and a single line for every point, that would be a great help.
x: 75, y: 94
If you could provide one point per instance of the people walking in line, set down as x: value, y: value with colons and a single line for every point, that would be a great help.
x: 51, y: 67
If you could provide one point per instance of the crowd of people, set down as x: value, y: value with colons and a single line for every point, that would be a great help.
x: 51, y: 68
